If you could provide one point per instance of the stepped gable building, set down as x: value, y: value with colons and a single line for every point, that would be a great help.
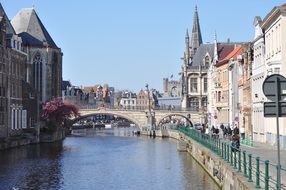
x: 44, y: 68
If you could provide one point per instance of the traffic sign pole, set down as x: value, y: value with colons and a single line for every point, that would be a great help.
x: 277, y: 95
x: 274, y: 87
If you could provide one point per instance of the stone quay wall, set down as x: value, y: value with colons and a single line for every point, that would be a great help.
x: 221, y: 172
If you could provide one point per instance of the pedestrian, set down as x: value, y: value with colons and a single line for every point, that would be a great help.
x: 203, y: 129
x: 235, y: 130
x: 207, y: 130
x: 235, y: 143
x: 213, y: 131
x: 224, y: 132
x: 229, y: 131
x: 222, y: 127
x: 217, y: 132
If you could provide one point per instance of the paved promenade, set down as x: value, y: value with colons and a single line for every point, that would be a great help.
x: 269, y: 152
x: 266, y: 152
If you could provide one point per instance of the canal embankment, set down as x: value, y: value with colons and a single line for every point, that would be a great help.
x: 220, y: 170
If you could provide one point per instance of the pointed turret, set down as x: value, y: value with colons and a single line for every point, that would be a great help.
x: 187, y: 48
x: 215, y: 49
x: 196, y: 40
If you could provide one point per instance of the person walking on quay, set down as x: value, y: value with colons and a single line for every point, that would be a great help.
x: 235, y: 130
x: 207, y: 129
x: 213, y: 131
x: 224, y: 132
x: 235, y: 143
x: 229, y: 131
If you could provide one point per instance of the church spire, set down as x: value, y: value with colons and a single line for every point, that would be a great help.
x: 196, y: 40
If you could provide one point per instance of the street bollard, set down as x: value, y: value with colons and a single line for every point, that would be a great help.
x: 249, y: 168
x: 266, y: 178
x: 257, y: 185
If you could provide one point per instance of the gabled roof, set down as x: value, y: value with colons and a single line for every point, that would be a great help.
x: 9, y: 27
x: 273, y: 14
x: 231, y: 55
x: 29, y: 26
x: 224, y: 49
x: 201, y: 53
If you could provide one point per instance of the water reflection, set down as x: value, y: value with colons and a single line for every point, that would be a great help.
x: 102, y: 160
x: 31, y: 167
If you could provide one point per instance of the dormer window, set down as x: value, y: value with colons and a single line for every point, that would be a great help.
x: 207, y: 61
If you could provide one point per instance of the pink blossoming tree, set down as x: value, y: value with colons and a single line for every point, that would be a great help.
x: 58, y: 112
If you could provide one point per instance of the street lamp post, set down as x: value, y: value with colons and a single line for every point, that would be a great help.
x: 151, y: 114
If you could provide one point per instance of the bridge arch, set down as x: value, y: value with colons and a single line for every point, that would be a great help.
x: 160, y: 121
x: 125, y: 116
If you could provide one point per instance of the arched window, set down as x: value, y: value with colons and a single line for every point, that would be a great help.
x: 38, y: 73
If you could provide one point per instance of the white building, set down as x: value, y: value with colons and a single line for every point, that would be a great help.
x: 128, y: 100
x: 274, y: 27
x: 258, y: 76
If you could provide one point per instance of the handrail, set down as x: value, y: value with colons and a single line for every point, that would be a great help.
x: 258, y: 171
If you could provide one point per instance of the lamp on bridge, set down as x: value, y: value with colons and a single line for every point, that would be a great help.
x: 150, y: 114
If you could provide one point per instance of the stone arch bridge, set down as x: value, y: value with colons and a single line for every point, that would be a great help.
x: 139, y: 117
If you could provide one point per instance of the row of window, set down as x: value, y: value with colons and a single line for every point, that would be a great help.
x: 142, y: 101
x: 16, y: 45
x: 18, y: 119
x: 273, y: 41
x: 194, y: 103
x: 128, y: 102
x: 194, y: 85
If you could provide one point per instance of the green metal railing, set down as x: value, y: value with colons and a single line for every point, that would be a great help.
x: 247, y: 141
x: 261, y: 172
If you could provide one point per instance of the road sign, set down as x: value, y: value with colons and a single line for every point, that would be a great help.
x: 274, y: 88
x: 270, y: 85
x: 270, y: 109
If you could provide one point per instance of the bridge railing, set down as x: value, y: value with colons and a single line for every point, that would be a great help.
x: 92, y: 107
x: 261, y: 172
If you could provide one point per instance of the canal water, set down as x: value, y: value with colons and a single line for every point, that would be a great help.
x: 102, y: 160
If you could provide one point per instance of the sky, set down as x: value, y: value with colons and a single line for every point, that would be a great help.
x: 128, y: 43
